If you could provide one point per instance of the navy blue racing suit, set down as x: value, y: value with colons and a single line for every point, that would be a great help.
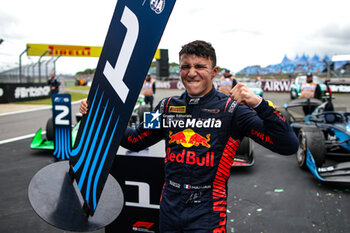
x: 202, y: 135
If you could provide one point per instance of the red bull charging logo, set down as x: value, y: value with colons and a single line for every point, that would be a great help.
x: 188, y: 138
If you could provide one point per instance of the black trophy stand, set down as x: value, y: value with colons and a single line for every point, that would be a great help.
x: 53, y: 196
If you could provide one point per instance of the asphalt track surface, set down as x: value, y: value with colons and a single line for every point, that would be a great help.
x: 272, y: 196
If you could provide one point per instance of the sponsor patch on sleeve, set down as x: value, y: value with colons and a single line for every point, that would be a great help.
x: 177, y: 109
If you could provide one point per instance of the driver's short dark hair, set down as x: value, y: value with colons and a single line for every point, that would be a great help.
x: 199, y: 48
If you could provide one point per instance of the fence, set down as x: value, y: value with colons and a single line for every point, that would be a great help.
x: 32, y: 73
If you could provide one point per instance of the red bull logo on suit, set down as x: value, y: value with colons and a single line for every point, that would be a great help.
x: 188, y: 138
x: 189, y: 157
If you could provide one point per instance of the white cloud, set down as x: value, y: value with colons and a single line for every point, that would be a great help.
x: 242, y: 32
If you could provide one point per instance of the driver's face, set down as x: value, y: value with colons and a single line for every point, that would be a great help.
x: 197, y: 74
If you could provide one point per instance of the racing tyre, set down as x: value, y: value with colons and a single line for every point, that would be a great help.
x: 78, y: 116
x: 49, y: 129
x: 312, y: 139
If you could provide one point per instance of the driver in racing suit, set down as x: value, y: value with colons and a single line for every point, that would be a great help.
x: 202, y: 129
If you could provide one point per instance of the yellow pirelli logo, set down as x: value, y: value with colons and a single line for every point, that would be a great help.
x: 177, y: 109
x: 63, y: 50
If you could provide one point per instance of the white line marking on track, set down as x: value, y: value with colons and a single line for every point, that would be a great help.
x: 23, y: 111
x: 19, y: 138
x: 32, y: 110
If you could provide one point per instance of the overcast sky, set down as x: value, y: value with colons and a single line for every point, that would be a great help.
x: 249, y: 32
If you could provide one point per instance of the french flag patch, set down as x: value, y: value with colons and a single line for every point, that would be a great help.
x: 187, y: 186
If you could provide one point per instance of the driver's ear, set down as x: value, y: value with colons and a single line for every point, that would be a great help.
x: 215, y: 71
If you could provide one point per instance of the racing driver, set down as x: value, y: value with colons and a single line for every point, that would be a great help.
x: 202, y: 129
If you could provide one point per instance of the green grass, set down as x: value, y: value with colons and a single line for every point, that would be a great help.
x: 78, y: 87
x: 74, y: 97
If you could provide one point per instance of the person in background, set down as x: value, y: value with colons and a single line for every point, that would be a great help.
x: 148, y: 90
x: 227, y: 82
x: 54, y: 83
x: 310, y: 89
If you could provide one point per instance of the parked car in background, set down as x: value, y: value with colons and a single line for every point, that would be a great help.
x: 296, y: 84
x: 255, y: 87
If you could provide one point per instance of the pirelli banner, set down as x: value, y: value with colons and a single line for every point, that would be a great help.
x: 68, y: 50
x: 63, y: 50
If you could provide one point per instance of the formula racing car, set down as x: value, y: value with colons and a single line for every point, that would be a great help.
x: 324, y: 138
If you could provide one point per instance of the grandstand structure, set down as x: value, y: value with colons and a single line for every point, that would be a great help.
x: 300, y: 65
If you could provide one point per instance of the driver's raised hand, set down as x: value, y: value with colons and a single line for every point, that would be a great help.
x: 243, y: 95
